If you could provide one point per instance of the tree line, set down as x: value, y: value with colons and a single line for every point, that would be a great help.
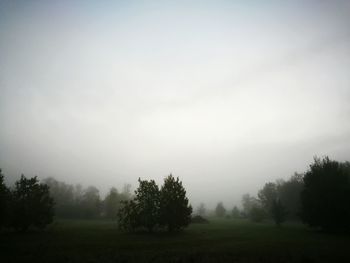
x: 320, y: 198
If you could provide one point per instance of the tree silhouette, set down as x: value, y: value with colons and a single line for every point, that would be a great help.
x: 326, y: 195
x: 220, y: 210
x: 32, y: 204
x: 147, y: 198
x: 4, y: 202
x: 278, y: 212
x: 175, y: 211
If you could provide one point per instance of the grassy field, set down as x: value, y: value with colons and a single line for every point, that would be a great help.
x: 219, y: 241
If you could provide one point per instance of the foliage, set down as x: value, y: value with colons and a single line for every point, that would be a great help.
x: 326, y: 195
x: 289, y: 193
x: 147, y: 198
x: 153, y: 207
x: 175, y: 211
x: 128, y: 216
x: 220, y: 210
x: 4, y: 201
x: 31, y: 204
x: 278, y: 212
x: 268, y: 195
x: 257, y: 213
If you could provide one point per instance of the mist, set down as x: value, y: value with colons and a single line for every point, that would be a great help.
x: 225, y: 95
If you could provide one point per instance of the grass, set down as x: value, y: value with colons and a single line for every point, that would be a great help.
x: 223, y: 240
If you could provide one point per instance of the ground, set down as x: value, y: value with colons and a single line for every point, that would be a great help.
x: 224, y: 240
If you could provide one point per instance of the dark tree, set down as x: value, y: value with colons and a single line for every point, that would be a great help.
x: 128, y: 215
x: 289, y: 194
x: 175, y: 211
x: 268, y: 195
x: 257, y: 213
x: 147, y: 198
x: 278, y: 212
x: 4, y: 202
x: 32, y: 204
x: 326, y: 195
x: 220, y: 210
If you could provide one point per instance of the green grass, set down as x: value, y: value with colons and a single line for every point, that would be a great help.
x: 223, y: 240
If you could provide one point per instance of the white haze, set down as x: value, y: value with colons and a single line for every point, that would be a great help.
x: 227, y: 95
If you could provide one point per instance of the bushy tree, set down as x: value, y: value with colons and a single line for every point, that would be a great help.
x: 147, y: 198
x: 220, y: 210
x: 128, y: 215
x: 257, y: 213
x: 175, y: 211
x: 268, y: 195
x: 31, y: 203
x: 326, y: 195
x: 4, y: 202
x: 278, y: 212
x: 289, y: 193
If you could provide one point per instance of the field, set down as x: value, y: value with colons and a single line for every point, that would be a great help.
x: 222, y: 240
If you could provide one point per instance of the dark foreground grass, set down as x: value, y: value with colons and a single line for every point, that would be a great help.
x: 220, y: 241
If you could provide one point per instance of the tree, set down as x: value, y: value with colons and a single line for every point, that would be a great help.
x: 220, y: 210
x: 235, y: 212
x: 32, y: 204
x: 268, y: 195
x: 326, y: 195
x: 112, y: 203
x: 278, y: 212
x: 175, y: 211
x: 4, y: 201
x: 289, y: 194
x: 147, y: 198
x: 91, y: 203
x: 201, y: 211
x: 128, y: 215
x: 257, y: 213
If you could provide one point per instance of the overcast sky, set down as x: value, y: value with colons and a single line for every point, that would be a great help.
x: 227, y: 95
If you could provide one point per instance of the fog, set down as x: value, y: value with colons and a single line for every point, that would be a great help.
x: 227, y: 95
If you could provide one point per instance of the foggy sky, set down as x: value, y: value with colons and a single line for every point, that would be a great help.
x: 227, y: 95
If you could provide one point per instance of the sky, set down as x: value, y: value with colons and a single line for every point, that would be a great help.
x: 227, y: 95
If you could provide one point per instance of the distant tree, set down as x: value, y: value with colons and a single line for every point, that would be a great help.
x: 91, y: 203
x: 235, y: 212
x: 278, y: 212
x: 112, y: 203
x: 220, y: 210
x: 147, y: 198
x: 267, y: 195
x: 175, y: 211
x: 63, y: 195
x: 248, y: 202
x: 201, y: 211
x: 326, y: 195
x: 4, y: 202
x: 32, y: 204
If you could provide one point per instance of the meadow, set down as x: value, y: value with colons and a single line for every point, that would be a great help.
x: 222, y: 240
